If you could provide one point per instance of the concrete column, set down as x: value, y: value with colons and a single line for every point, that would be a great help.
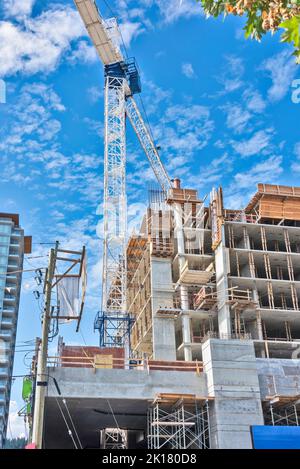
x: 185, y: 321
x: 232, y: 379
x: 222, y: 270
x: 164, y: 344
x: 186, y: 336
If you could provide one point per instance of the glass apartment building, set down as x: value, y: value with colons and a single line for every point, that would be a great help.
x: 13, y: 245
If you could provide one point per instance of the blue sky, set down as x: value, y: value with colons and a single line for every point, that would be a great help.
x: 219, y: 106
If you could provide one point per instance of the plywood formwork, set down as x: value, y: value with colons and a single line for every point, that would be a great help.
x: 276, y: 202
x: 206, y: 298
x: 182, y: 195
x: 139, y: 296
x: 158, y: 241
x: 160, y: 233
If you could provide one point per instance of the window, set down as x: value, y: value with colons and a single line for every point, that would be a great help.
x: 4, y: 250
x: 3, y: 260
x: 5, y: 229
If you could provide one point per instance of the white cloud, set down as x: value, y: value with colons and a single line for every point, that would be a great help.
x: 237, y: 117
x: 30, y: 148
x: 16, y: 426
x: 188, y: 71
x: 297, y: 149
x: 255, y: 145
x: 296, y: 164
x: 182, y: 132
x: 94, y: 93
x: 214, y: 172
x: 254, y: 101
x: 266, y: 171
x: 130, y: 30
x: 281, y: 68
x: 173, y: 10
x: 154, y: 96
x: 231, y: 75
x: 18, y: 8
x: 84, y: 53
x: 38, y: 44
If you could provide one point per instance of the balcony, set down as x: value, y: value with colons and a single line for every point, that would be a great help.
x: 3, y: 371
x: 7, y: 323
x: 6, y: 336
x: 10, y: 299
x: 8, y: 312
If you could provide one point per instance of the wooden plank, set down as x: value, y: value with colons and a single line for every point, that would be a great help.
x: 103, y: 361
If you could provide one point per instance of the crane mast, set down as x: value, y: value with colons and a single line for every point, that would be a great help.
x: 114, y: 273
x: 121, y: 83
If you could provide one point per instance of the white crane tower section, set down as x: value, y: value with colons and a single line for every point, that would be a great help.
x: 121, y: 82
x: 114, y: 274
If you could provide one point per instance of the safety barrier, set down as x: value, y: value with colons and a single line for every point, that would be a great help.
x: 107, y: 362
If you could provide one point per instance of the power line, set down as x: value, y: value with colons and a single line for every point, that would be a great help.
x: 34, y: 257
x: 65, y: 403
x: 7, y: 274
x: 67, y: 425
x: 45, y: 244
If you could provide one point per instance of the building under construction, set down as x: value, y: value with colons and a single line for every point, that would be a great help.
x: 209, y: 346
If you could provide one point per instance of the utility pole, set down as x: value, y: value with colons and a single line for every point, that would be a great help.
x: 41, y: 382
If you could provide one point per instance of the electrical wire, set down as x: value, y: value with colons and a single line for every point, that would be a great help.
x: 34, y: 257
x: 24, y: 358
x: 67, y: 425
x: 7, y: 274
x: 45, y: 244
x: 65, y: 403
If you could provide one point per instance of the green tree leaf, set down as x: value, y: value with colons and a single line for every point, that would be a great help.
x: 292, y: 33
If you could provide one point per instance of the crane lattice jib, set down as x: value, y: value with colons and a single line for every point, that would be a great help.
x: 146, y: 141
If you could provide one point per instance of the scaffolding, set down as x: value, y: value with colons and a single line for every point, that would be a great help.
x: 114, y: 330
x: 282, y: 410
x: 178, y: 422
x: 114, y: 438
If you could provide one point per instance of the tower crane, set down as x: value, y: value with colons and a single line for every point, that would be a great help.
x: 122, y: 82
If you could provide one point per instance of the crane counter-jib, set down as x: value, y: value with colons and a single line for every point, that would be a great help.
x: 100, y: 31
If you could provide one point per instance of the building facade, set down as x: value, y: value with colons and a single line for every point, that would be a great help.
x: 13, y: 245
x: 214, y: 297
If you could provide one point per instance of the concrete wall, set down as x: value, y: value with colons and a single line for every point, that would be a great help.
x: 164, y: 344
x: 123, y: 384
x: 278, y: 376
x: 232, y: 379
